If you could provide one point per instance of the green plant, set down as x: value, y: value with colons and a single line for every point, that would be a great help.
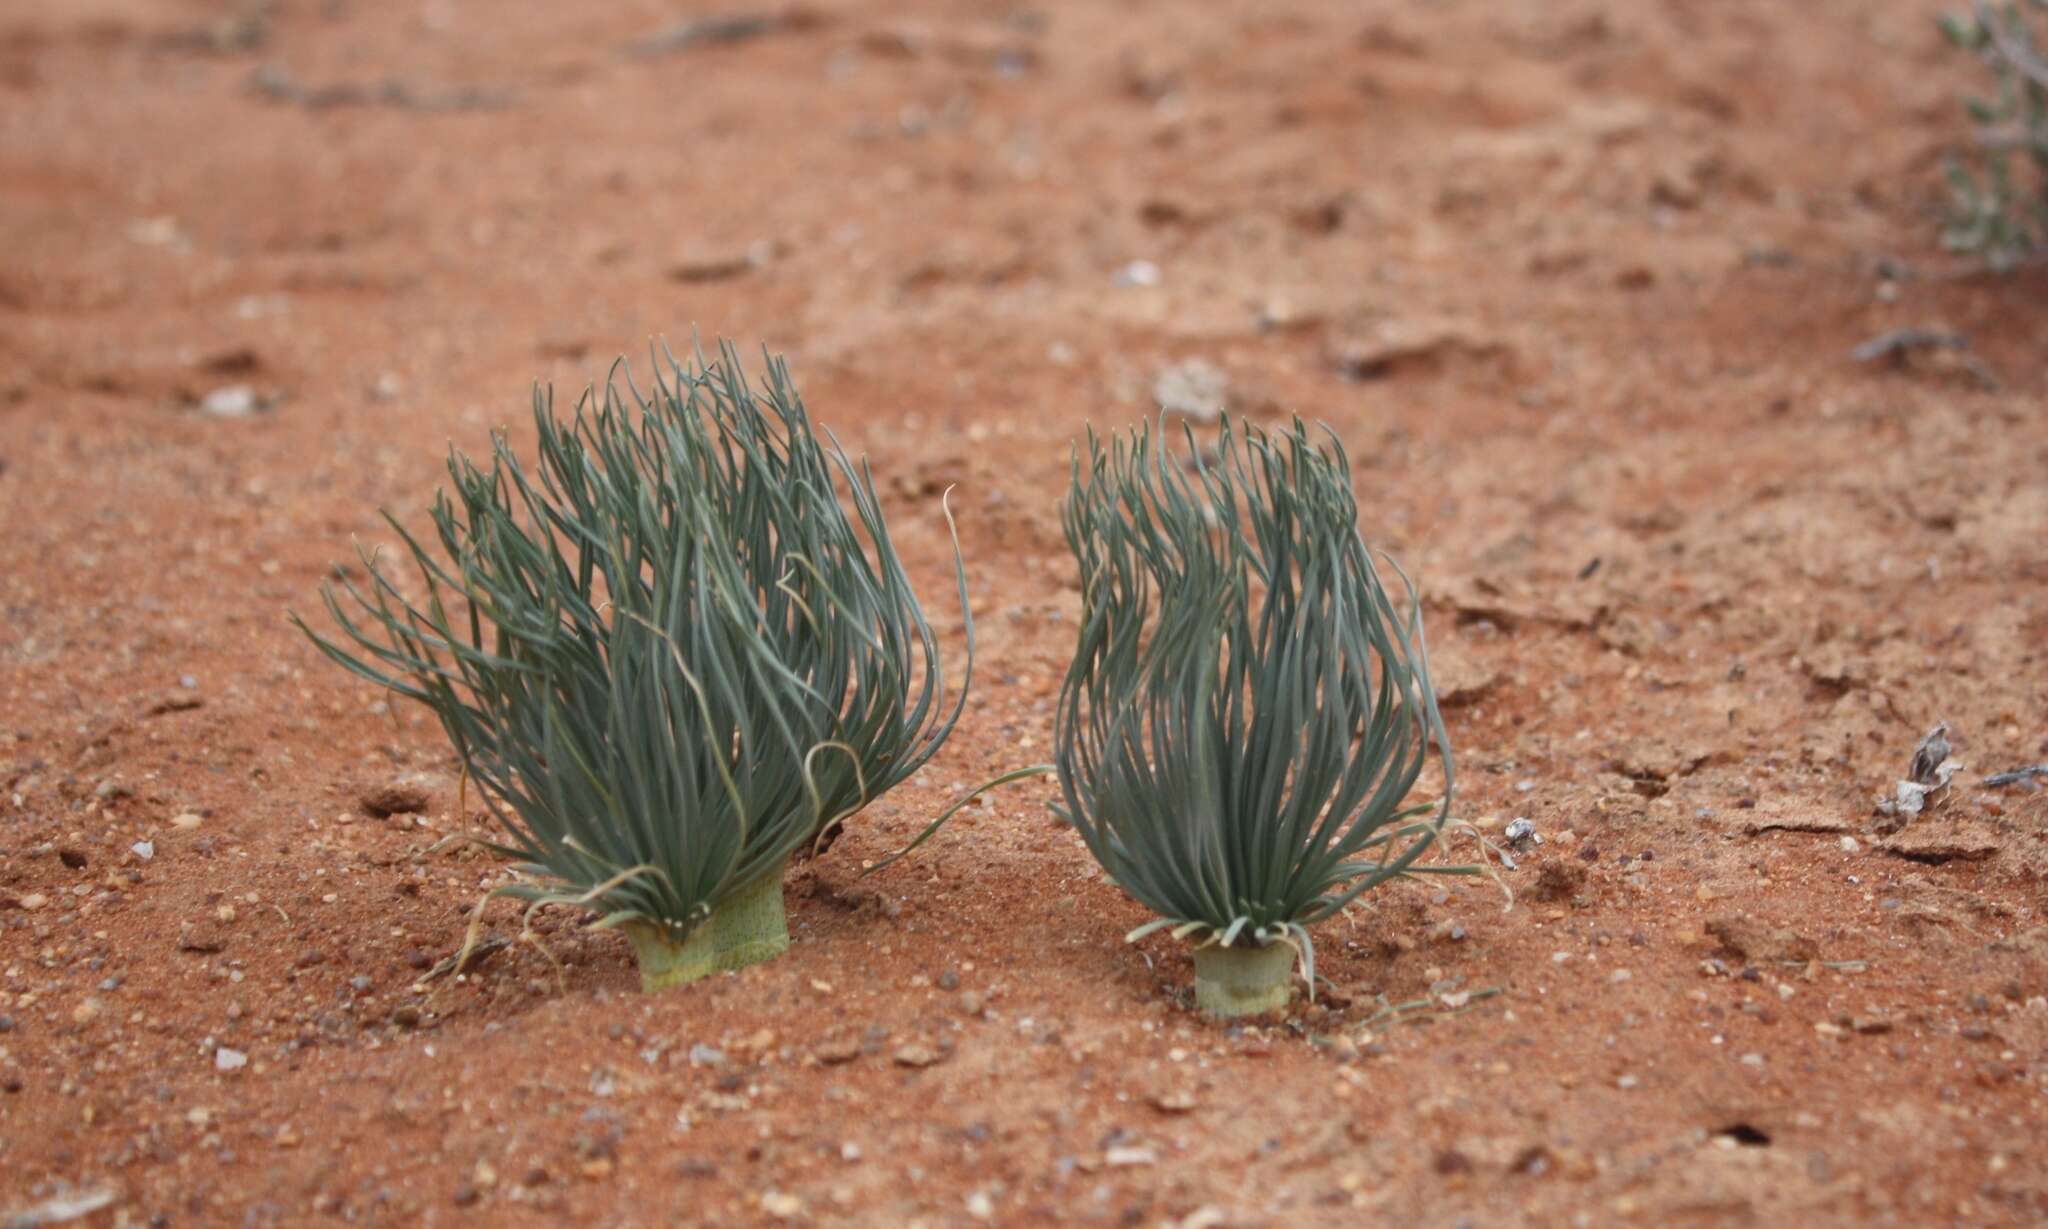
x: 666, y: 655
x: 2000, y: 208
x: 1248, y: 707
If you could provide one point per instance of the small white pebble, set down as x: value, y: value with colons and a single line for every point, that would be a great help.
x: 1138, y: 273
x: 233, y: 401
x: 225, y: 1059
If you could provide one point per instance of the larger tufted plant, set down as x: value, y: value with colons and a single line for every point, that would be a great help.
x: 675, y: 652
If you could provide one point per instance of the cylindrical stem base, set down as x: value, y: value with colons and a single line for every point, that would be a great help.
x: 1243, y: 981
x: 751, y: 925
x: 665, y: 962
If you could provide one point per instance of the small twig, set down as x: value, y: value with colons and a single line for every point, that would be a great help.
x: 716, y: 31
x: 278, y: 85
x: 2017, y: 776
x: 486, y: 947
x: 1964, y: 270
x: 58, y: 1209
x: 1838, y: 966
x: 2016, y: 53
x: 1399, y: 1011
x: 2006, y: 139
x: 1897, y: 343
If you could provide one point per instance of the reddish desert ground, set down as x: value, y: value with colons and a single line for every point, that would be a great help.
x: 1577, y: 284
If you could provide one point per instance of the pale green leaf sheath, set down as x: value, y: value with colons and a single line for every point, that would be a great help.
x: 1248, y: 707
x: 673, y: 654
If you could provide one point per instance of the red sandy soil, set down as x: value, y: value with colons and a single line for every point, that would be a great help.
x: 1577, y: 284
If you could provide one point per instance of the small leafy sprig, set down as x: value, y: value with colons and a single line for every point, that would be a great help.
x: 2000, y: 191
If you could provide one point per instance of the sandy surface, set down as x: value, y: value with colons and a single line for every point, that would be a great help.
x: 1577, y: 284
